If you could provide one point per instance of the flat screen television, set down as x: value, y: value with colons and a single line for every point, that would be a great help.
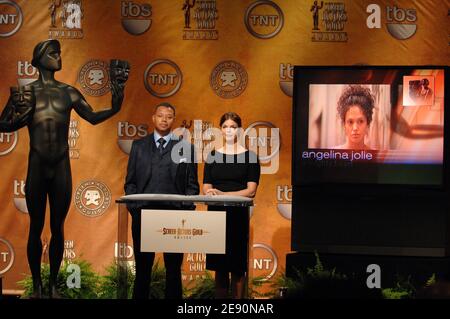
x: 376, y: 125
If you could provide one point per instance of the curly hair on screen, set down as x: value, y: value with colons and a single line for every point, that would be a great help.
x: 356, y: 95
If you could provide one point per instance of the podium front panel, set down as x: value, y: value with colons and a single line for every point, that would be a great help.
x: 183, y: 231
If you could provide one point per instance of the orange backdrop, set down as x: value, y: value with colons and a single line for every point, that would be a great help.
x: 262, y: 39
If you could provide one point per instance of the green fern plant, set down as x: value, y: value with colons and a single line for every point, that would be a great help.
x: 202, y: 288
x: 109, y: 283
x: 158, y: 284
x: 89, y: 281
x: 431, y: 281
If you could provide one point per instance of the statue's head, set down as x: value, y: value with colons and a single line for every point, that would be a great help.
x: 47, y: 55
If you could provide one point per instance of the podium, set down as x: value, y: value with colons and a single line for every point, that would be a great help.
x: 148, y: 199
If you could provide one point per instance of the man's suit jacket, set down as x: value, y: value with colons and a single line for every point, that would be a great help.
x: 183, y: 169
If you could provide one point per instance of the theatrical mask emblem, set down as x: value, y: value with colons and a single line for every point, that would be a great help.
x: 228, y: 78
x: 23, y: 100
x: 96, y: 76
x: 119, y: 72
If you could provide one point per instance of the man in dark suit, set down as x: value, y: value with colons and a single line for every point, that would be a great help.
x: 154, y: 169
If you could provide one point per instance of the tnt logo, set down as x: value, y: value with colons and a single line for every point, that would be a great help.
x: 8, y: 142
x: 264, y: 19
x: 127, y: 132
x: 163, y: 78
x: 264, y: 140
x: 11, y: 18
x: 401, y: 23
x: 6, y: 256
x: 264, y: 262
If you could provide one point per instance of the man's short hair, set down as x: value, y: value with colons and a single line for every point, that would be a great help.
x: 164, y: 104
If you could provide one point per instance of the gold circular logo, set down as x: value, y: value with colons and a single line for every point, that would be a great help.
x: 6, y: 256
x: 163, y: 78
x: 94, y: 78
x: 229, y: 79
x: 92, y: 198
x: 264, y: 261
x: 8, y: 142
x: 11, y: 18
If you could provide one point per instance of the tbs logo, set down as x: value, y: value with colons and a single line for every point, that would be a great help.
x: 401, y: 23
x: 127, y: 132
x: 26, y: 73
x: 19, y: 196
x: 136, y: 17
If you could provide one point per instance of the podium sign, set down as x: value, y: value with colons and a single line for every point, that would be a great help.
x: 183, y: 231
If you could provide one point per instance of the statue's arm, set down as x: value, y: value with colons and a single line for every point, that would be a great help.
x: 83, y: 108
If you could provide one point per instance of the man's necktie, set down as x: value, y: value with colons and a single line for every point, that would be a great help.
x: 161, y: 142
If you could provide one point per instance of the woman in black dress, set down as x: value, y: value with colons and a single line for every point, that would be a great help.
x: 231, y: 170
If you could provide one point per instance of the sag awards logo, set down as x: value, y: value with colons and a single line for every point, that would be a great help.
x: 6, y: 256
x: 26, y: 73
x: 265, y: 261
x: 228, y: 79
x: 136, y: 17
x: 94, y: 78
x: 264, y: 19
x: 65, y: 19
x: 401, y: 23
x: 182, y: 232
x: 202, y: 137
x: 205, y: 14
x: 286, y: 78
x: 69, y: 250
x: 284, y: 199
x: 263, y: 138
x: 74, y: 135
x: 19, y: 196
x: 8, y: 142
x: 92, y: 198
x: 333, y: 17
x: 194, y: 266
x: 11, y: 18
x: 162, y: 78
x: 127, y: 133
